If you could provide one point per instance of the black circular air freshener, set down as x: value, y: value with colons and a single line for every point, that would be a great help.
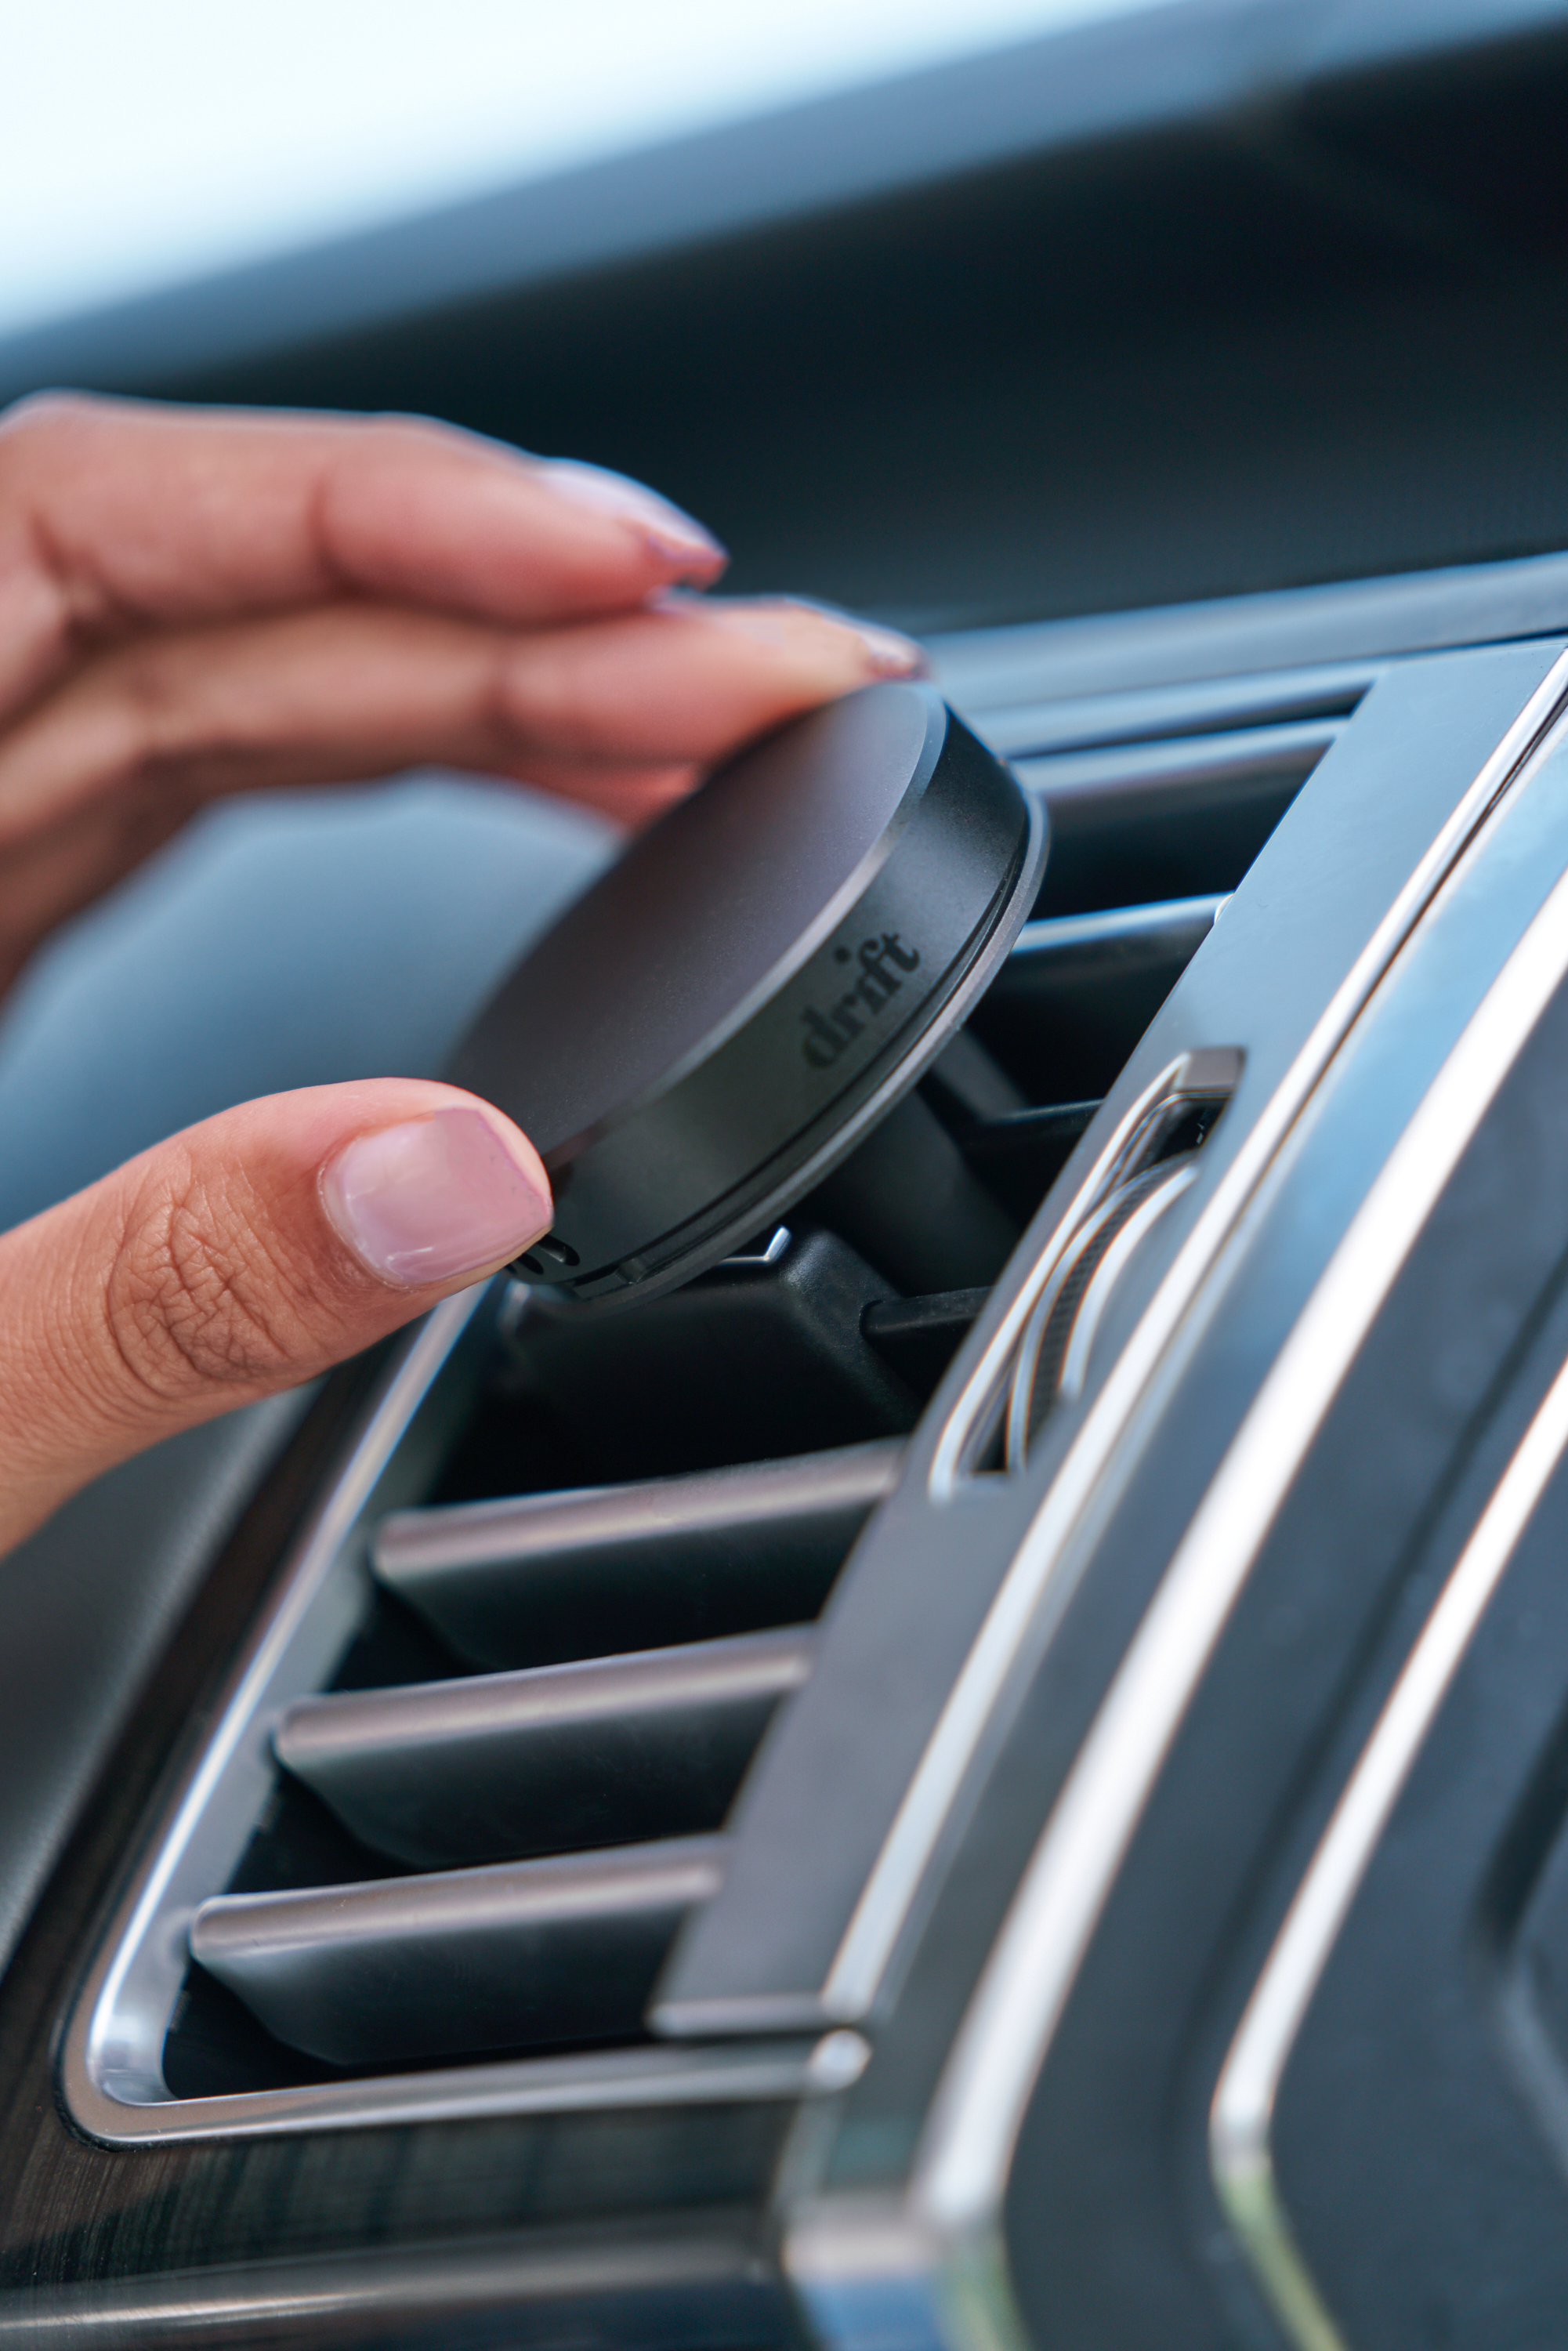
x: 762, y: 976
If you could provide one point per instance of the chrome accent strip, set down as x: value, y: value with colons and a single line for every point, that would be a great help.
x: 963, y: 1433
x: 1003, y: 2042
x: 1097, y: 1290
x: 741, y: 2070
x: 113, y: 2046
x: 1107, y: 1273
x: 1032, y: 1583
x: 1241, y: 2115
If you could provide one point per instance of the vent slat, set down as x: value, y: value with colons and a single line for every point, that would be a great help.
x: 1143, y: 821
x: 1022, y: 729
x: 1021, y: 1156
x: 1208, y: 770
x: 920, y: 1336
x: 1078, y: 991
x: 527, y: 1954
x: 664, y: 1561
x: 563, y: 1757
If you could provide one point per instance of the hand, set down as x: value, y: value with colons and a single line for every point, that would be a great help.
x: 194, y: 604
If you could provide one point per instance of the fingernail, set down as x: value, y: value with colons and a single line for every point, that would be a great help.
x: 883, y: 652
x: 888, y: 654
x: 670, y: 533
x: 433, y: 1197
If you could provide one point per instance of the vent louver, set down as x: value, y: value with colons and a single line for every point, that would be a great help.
x: 665, y: 1561
x: 566, y: 1756
x: 475, y: 1771
x: 531, y: 1952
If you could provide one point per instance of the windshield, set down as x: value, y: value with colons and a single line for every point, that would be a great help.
x: 153, y: 144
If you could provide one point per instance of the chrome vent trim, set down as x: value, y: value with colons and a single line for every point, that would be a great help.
x: 1196, y: 1081
x: 1201, y: 771
x: 1054, y: 1350
x: 562, y: 1912
x: 1163, y: 792
x: 778, y: 2069
x: 1022, y: 726
x: 1132, y: 823
x: 1241, y: 2118
x: 1051, y: 958
x: 1079, y: 990
x: 997, y: 2056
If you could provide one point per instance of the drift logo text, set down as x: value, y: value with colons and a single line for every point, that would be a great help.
x: 829, y: 1034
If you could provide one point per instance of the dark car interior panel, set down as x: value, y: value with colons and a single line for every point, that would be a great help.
x: 974, y: 1756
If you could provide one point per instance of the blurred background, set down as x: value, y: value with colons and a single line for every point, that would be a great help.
x: 146, y: 145
x: 962, y: 311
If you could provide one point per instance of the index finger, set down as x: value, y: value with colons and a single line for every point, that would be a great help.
x: 121, y: 514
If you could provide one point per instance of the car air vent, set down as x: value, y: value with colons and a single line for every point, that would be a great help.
x: 472, y: 1775
x: 1170, y: 794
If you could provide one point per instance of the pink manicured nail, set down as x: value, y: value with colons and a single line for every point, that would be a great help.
x: 888, y: 654
x: 433, y: 1197
x: 669, y: 531
x: 882, y: 651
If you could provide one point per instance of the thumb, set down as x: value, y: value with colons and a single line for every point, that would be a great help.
x: 240, y: 1257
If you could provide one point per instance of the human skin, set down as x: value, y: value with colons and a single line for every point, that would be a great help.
x: 196, y: 602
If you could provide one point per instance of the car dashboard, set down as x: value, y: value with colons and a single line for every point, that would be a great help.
x: 990, y: 1770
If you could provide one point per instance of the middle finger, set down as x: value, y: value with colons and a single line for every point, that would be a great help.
x: 351, y: 690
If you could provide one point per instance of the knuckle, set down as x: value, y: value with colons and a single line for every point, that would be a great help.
x: 151, y: 730
x: 193, y: 1301
x: 149, y: 707
x: 41, y: 442
x: 536, y: 692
